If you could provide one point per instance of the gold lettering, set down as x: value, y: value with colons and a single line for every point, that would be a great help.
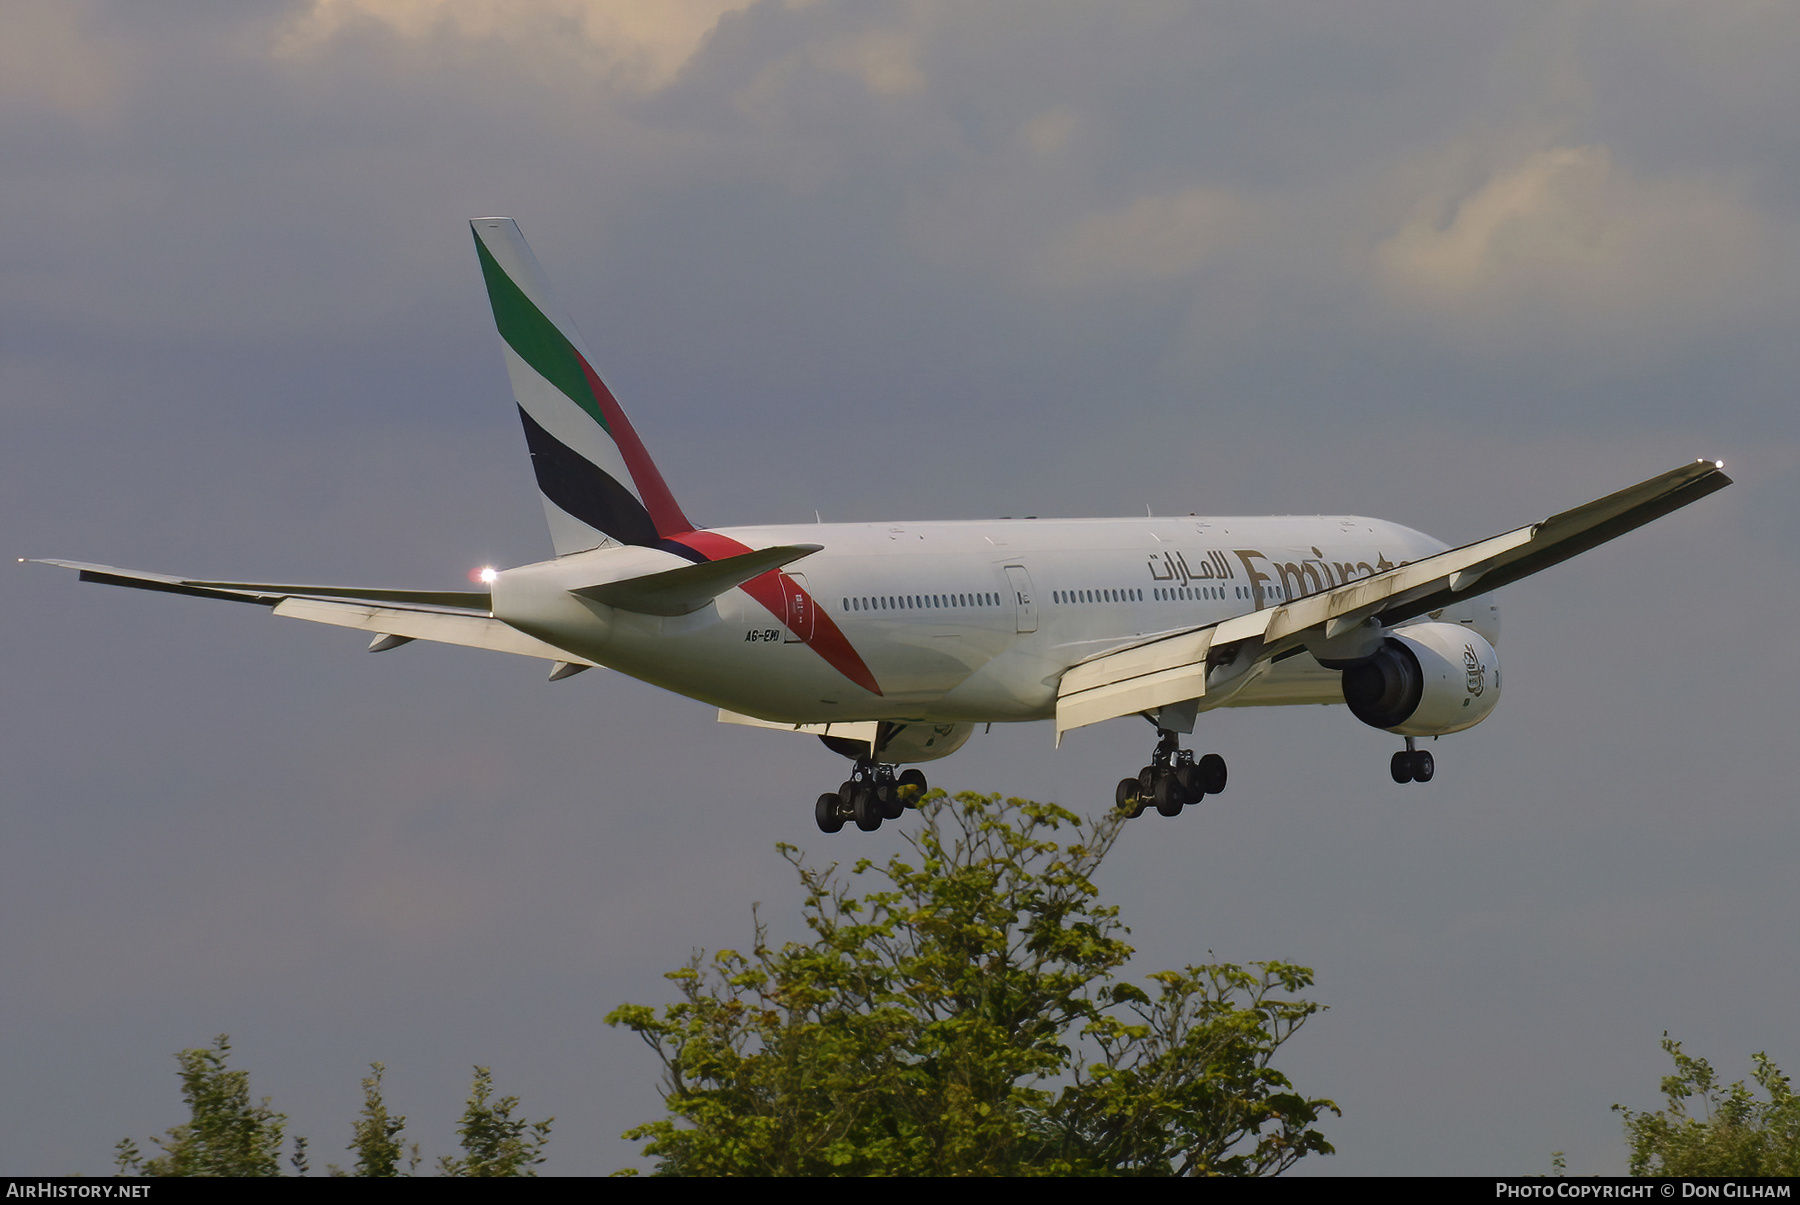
x: 1251, y: 574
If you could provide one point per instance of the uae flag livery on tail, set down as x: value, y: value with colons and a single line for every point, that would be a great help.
x: 598, y: 483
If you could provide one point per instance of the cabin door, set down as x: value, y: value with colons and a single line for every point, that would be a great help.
x: 796, y: 608
x: 1022, y: 597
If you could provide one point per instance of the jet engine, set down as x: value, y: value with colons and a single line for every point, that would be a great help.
x: 908, y: 742
x: 1427, y: 679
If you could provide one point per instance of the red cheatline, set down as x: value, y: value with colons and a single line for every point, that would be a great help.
x: 827, y: 639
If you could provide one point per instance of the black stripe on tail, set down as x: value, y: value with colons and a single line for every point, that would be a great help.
x: 580, y: 487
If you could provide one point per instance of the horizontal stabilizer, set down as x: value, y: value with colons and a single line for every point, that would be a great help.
x: 269, y: 593
x: 1180, y: 666
x: 687, y: 589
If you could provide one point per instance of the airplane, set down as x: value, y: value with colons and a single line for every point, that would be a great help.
x: 893, y: 642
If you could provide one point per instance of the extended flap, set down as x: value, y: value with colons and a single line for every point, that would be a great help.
x: 444, y: 627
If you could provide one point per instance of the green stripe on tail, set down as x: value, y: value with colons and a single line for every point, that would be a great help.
x: 535, y: 338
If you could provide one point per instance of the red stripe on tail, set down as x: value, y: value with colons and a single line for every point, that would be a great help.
x: 665, y: 512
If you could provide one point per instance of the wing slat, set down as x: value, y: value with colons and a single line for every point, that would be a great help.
x: 1143, y: 676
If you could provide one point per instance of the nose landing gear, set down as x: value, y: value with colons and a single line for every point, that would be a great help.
x: 1412, y: 765
x: 872, y: 793
x: 1172, y: 780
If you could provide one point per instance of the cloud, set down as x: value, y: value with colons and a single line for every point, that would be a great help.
x: 51, y: 56
x: 1546, y: 216
x: 640, y: 44
x: 885, y: 60
x: 1564, y: 244
x: 1158, y: 237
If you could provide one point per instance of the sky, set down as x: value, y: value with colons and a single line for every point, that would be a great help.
x: 1449, y: 263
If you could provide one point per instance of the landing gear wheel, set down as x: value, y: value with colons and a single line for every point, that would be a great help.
x: 829, y: 813
x: 866, y: 808
x: 1402, y: 766
x: 1126, y: 795
x: 1172, y: 780
x: 912, y: 787
x: 1170, y: 795
x: 1423, y: 767
x: 887, y: 798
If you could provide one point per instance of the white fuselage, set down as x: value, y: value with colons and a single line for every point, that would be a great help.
x: 963, y: 621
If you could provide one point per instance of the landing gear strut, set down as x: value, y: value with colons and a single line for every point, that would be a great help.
x: 1171, y: 781
x: 872, y: 793
x: 1412, y: 765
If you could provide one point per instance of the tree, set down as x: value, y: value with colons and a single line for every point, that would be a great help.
x: 375, y: 1137
x: 963, y: 1016
x: 225, y: 1135
x: 1735, y: 1135
x: 494, y: 1142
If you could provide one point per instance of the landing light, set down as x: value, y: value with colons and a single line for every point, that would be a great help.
x: 486, y: 575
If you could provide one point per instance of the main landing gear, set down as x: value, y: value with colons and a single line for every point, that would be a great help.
x: 1412, y: 765
x: 1172, y: 780
x: 871, y: 794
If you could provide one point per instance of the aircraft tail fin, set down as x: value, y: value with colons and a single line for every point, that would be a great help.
x: 598, y: 483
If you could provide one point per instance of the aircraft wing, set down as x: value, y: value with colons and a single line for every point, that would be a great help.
x: 396, y: 616
x: 444, y: 627
x: 866, y: 731
x: 1216, y: 661
x: 267, y: 593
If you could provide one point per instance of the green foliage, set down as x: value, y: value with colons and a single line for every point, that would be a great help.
x: 494, y: 1142
x: 376, y: 1135
x: 962, y: 1017
x: 1735, y: 1134
x: 225, y: 1135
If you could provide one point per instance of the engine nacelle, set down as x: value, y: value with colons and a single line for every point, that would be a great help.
x: 1427, y: 679
x: 911, y: 743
